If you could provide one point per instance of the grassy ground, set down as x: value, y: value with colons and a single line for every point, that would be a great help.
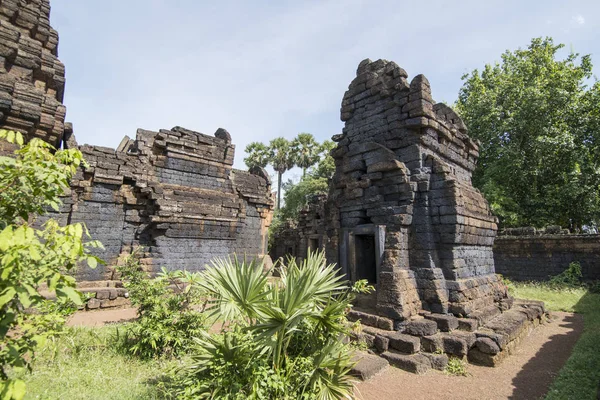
x: 580, y: 377
x: 85, y: 363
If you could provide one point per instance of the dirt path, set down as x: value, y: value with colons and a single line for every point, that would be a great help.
x: 525, y: 375
x: 102, y: 317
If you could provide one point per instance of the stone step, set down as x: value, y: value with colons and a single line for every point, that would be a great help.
x: 367, y: 365
x: 415, y: 363
x: 383, y: 339
x: 366, y: 318
x: 445, y: 323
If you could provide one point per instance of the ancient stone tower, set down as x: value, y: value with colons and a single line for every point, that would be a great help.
x: 402, y: 211
x: 32, y: 79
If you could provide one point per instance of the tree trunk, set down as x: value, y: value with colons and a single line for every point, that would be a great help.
x: 303, y: 172
x: 278, y: 190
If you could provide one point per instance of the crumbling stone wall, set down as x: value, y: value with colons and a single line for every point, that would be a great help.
x: 308, y: 233
x: 403, y: 175
x: 174, y: 192
x: 32, y: 78
x: 531, y: 257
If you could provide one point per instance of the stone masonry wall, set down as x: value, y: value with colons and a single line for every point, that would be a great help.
x: 173, y: 192
x: 403, y: 174
x: 538, y: 257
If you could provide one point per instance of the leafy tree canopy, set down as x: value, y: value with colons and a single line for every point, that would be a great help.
x: 539, y: 126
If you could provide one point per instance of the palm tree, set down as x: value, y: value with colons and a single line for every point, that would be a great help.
x: 281, y: 159
x: 258, y: 155
x: 307, y: 151
x: 292, y: 330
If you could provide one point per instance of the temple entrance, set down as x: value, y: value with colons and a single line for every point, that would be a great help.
x: 313, y: 244
x: 366, y: 261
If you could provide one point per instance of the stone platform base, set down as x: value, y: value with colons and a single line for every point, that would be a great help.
x: 426, y: 342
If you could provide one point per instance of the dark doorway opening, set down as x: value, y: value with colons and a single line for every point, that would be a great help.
x: 366, y: 261
x: 313, y: 245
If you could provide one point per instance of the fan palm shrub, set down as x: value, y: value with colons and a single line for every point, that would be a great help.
x: 281, y: 339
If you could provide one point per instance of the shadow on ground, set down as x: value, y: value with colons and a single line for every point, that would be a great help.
x: 535, y: 378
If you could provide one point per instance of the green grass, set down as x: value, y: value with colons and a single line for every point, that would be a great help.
x: 580, y: 377
x: 555, y: 300
x: 86, y: 363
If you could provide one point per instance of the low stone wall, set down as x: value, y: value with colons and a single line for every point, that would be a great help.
x: 538, y: 257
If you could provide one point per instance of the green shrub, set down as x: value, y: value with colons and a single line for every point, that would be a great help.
x: 31, y: 257
x: 167, y: 319
x: 283, y: 339
x: 571, y: 277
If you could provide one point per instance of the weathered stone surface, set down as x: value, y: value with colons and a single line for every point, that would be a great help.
x: 415, y: 363
x: 421, y: 327
x: 404, y: 343
x: 445, y: 323
x: 367, y: 365
x: 438, y: 361
x: 93, y: 304
x: 487, y: 345
x: 499, y: 339
x: 381, y: 343
x: 468, y: 324
x: 371, y: 320
x: 455, y: 345
x: 432, y: 343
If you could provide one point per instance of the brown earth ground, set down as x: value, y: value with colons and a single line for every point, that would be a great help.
x: 525, y: 375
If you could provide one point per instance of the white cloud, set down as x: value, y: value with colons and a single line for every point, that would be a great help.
x: 578, y: 19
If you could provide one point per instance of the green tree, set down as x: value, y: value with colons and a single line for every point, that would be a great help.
x: 281, y: 159
x: 538, y: 123
x: 258, y: 155
x: 297, y: 195
x: 306, y: 151
x: 325, y: 168
x: 32, y: 258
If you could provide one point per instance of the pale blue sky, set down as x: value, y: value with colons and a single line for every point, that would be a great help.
x: 263, y: 69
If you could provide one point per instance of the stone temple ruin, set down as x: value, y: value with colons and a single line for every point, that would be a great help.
x: 173, y: 192
x: 401, y: 212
